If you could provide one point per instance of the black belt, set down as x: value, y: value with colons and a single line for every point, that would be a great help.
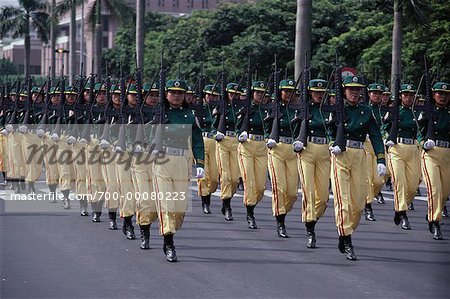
x: 442, y: 143
x: 354, y: 144
x: 408, y: 141
x: 256, y: 137
x: 230, y: 133
x: 208, y: 134
x: 317, y: 140
x: 287, y: 140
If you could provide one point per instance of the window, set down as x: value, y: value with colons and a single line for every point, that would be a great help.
x: 161, y: 3
x: 175, y: 3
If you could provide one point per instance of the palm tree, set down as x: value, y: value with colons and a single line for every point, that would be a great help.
x: 94, y: 23
x: 140, y: 12
x: 302, y: 34
x: 416, y: 11
x: 18, y: 21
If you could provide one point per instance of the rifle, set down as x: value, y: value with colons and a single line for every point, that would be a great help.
x: 159, y: 117
x: 339, y: 112
x: 304, y: 104
x: 276, y: 113
x: 248, y: 98
x: 394, y: 111
x: 61, y: 107
x: 223, y: 101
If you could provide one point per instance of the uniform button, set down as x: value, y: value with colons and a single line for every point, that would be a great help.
x: 281, y: 130
x: 360, y: 124
x: 346, y: 125
x: 347, y: 134
x: 312, y: 131
x: 310, y: 121
x: 362, y: 112
x: 185, y: 116
x: 435, y: 122
x: 226, y: 117
x: 204, y: 117
x: 251, y: 119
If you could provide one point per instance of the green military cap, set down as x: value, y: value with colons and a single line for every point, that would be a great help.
x: 272, y: 96
x: 259, y: 85
x: 287, y: 84
x: 87, y: 84
x: 54, y: 90
x: 332, y: 92
x: 24, y: 93
x: 376, y: 87
x: 386, y: 90
x: 70, y: 90
x: 441, y: 86
x: 317, y: 85
x: 355, y: 81
x: 233, y: 87
x: 408, y: 87
x: 99, y: 86
x: 150, y: 87
x: 13, y: 91
x: 35, y: 89
x: 115, y: 88
x: 211, y: 89
x: 175, y: 84
x: 132, y: 89
x: 190, y: 89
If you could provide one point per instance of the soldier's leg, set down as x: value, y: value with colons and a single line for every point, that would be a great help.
x: 228, y: 189
x: 358, y: 186
x: 145, y: 206
x: 96, y: 185
x: 51, y: 166
x: 33, y: 159
x: 292, y: 178
x: 413, y: 173
x: 128, y: 206
x: 323, y: 170
x: 247, y: 168
x: 80, y: 176
x: 112, y: 197
x: 66, y: 170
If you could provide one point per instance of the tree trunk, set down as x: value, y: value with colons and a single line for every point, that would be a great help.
x: 397, y: 38
x: 140, y: 10
x: 302, y: 35
x: 27, y: 46
x: 52, y: 42
x: 98, y: 40
x: 73, y: 41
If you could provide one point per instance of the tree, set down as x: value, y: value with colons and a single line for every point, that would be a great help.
x: 7, y: 67
x: 303, y: 35
x: 18, y: 21
x: 140, y: 12
x: 94, y: 24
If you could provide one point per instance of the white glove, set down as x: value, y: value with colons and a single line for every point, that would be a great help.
x: 389, y: 143
x: 381, y: 168
x: 429, y: 144
x: 219, y: 136
x: 40, y: 133
x: 200, y: 172
x: 271, y: 143
x: 9, y: 128
x: 23, y: 129
x: 55, y: 137
x: 4, y: 132
x: 119, y: 149
x: 243, y: 137
x: 138, y: 149
x: 298, y: 146
x: 153, y: 155
x: 104, y: 144
x: 71, y: 140
x: 335, y: 150
x: 83, y: 141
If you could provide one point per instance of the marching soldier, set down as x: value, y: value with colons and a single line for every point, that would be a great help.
x: 142, y: 173
x: 436, y: 157
x: 108, y: 166
x: 252, y: 151
x: 171, y: 178
x: 282, y: 160
x: 375, y: 182
x: 208, y: 184
x: 386, y: 102
x: 348, y: 178
x: 404, y: 162
x: 227, y: 144
x: 314, y: 162
x: 95, y: 181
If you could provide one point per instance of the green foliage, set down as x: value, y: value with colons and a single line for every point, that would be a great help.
x: 8, y: 67
x: 359, y: 31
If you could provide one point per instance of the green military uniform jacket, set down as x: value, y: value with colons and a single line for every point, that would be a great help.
x: 359, y: 121
x: 441, y: 123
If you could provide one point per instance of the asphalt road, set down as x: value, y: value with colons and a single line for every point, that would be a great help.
x: 60, y: 254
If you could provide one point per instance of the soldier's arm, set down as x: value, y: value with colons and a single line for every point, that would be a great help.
x: 198, y: 148
x: 377, y: 141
